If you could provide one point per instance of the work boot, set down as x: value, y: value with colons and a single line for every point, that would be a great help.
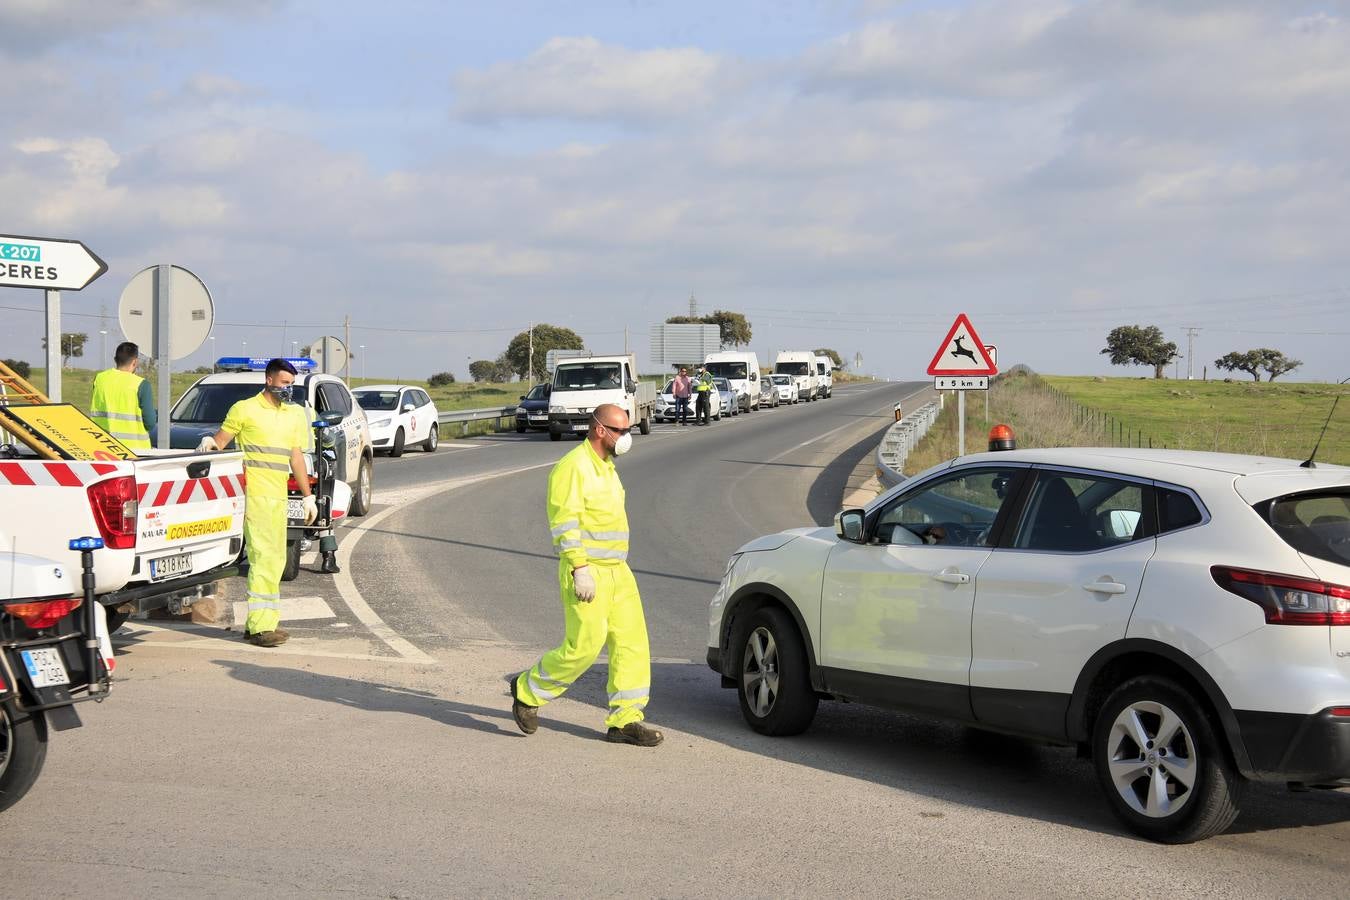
x: 330, y: 564
x: 272, y: 638
x: 526, y: 716
x: 635, y: 733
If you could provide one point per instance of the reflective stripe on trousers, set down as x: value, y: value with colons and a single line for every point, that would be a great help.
x: 265, y: 539
x: 612, y: 621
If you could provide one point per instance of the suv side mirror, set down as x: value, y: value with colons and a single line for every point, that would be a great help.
x: 848, y: 524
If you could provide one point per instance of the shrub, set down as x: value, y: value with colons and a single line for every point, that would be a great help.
x: 21, y: 368
x: 441, y: 379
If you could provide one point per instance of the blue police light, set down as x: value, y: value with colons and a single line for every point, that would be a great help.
x: 259, y: 363
x: 86, y: 543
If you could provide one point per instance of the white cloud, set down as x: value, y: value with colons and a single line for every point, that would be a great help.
x: 29, y: 27
x: 582, y: 78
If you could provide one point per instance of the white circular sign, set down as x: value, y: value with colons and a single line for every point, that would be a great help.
x: 330, y: 353
x: 191, y: 314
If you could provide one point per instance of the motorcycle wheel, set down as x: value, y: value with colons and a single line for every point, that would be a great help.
x: 23, y: 747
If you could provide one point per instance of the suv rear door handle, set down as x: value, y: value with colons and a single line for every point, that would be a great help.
x: 953, y: 577
x: 1105, y: 587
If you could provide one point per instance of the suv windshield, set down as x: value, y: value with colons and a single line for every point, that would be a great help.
x: 587, y: 377
x: 727, y: 369
x: 210, y: 403
x: 538, y: 392
x: 1317, y: 524
x: 793, y: 368
x: 377, y: 401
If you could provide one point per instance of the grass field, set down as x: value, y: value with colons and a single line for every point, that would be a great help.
x: 1065, y: 411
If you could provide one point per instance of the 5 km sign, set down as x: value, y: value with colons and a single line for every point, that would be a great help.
x: 52, y: 265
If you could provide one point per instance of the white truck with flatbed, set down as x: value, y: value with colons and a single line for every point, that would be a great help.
x: 583, y: 380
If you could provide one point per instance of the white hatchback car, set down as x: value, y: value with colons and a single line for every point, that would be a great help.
x: 1182, y: 617
x: 786, y: 387
x: 399, y: 415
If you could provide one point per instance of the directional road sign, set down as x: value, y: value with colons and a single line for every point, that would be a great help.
x: 47, y: 263
x: 962, y: 352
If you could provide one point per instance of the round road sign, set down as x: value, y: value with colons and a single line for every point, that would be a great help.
x: 191, y: 313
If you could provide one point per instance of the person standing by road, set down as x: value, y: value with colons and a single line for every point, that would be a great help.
x: 681, y: 388
x: 272, y: 433
x: 704, y: 388
x: 601, y: 605
x: 122, y: 403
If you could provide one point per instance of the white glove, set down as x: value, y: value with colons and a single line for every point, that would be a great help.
x: 208, y: 444
x: 584, y: 583
x: 311, y: 509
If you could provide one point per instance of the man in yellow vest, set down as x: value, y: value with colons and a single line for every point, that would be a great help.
x: 601, y: 606
x: 122, y: 403
x: 272, y: 433
x: 707, y: 395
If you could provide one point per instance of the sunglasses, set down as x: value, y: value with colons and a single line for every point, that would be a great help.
x: 610, y: 428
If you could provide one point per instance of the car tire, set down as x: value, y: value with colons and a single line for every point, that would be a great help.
x: 397, y: 450
x: 362, y: 493
x: 555, y: 435
x: 1131, y: 776
x: 520, y: 429
x: 23, y: 748
x: 433, y: 439
x: 291, y: 570
x: 645, y: 426
x: 773, y: 678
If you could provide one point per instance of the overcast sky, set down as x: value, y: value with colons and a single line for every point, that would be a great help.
x: 848, y: 174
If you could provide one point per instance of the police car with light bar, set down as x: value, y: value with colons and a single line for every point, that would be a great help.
x: 202, y: 409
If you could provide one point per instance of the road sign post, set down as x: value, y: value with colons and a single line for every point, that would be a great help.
x: 962, y: 363
x: 168, y: 309
x: 52, y: 265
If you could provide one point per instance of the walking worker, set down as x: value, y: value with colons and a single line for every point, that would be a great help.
x: 122, y: 403
x: 272, y: 433
x: 681, y: 388
x: 601, y: 606
x: 704, y: 387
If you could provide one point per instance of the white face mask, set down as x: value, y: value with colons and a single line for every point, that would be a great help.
x: 623, y: 444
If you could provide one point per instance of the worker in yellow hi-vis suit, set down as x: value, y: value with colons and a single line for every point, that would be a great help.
x: 272, y: 434
x: 122, y: 403
x: 601, y: 606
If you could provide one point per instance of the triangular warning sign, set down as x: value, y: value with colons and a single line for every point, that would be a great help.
x: 962, y: 352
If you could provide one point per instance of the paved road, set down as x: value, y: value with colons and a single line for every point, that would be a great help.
x: 374, y: 755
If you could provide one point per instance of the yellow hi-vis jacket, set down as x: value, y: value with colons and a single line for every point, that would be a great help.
x: 115, y: 407
x: 266, y: 434
x: 585, y: 509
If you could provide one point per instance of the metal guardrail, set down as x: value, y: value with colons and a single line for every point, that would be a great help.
x: 901, y: 438
x: 463, y: 417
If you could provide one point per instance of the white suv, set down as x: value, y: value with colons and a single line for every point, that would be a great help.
x: 1183, y: 617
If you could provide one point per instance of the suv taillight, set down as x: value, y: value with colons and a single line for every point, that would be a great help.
x: 1288, y: 599
x: 39, y: 614
x: 114, y: 505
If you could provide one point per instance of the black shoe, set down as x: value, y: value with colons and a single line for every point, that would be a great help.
x: 526, y: 716
x: 330, y: 564
x: 635, y: 733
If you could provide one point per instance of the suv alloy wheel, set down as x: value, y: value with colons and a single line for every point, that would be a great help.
x: 772, y: 677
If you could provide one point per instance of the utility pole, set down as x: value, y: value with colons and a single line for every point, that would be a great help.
x: 347, y: 343
x: 529, y: 360
x: 1190, y: 352
x: 103, y: 334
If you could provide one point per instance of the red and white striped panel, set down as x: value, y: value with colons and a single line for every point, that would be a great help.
x: 172, y: 493
x: 53, y: 474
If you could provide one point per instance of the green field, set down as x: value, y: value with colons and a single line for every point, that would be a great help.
x: 1265, y: 418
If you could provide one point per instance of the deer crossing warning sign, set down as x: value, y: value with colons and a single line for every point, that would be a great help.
x: 962, y: 352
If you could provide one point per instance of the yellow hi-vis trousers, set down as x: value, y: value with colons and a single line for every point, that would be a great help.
x: 265, y: 538
x: 612, y: 620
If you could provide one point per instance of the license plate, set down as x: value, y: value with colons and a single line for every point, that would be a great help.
x: 581, y: 428
x: 45, y: 667
x: 295, y: 509
x: 538, y: 418
x: 170, y: 566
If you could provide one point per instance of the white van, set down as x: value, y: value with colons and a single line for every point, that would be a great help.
x: 801, y: 365
x: 825, y: 376
x: 741, y: 370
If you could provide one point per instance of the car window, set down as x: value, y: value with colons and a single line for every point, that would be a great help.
x: 331, y: 397
x: 423, y: 398
x: 1317, y: 524
x: 538, y: 392
x: 1176, y: 510
x: 1077, y: 513
x: 208, y: 404
x: 377, y: 401
x: 958, y: 510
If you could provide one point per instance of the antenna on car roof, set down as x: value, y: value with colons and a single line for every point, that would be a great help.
x: 1308, y: 463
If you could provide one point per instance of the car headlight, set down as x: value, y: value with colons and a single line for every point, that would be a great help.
x: 522, y: 411
x: 380, y: 423
x: 723, y: 588
x: 556, y: 409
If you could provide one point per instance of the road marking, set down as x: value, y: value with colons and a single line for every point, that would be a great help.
x: 298, y: 609
x: 188, y: 637
x: 399, y: 500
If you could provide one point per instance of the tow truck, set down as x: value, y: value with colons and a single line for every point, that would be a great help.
x: 171, y: 522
